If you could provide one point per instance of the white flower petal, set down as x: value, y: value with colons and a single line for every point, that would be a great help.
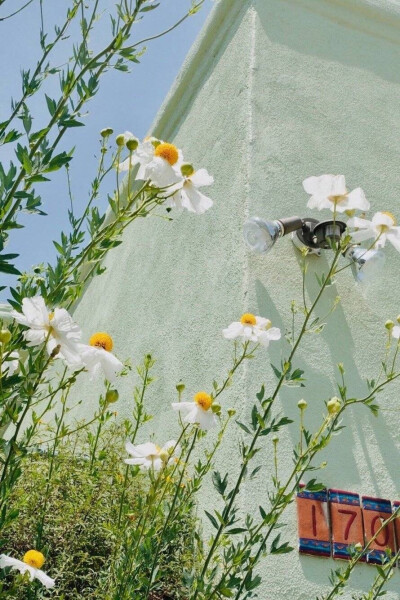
x: 35, y: 310
x: 157, y: 464
x: 394, y: 238
x: 359, y: 223
x: 201, y: 178
x: 274, y: 333
x: 233, y: 331
x: 381, y: 218
x: 47, y: 581
x: 35, y: 337
x: 363, y: 234
x: 194, y: 201
x: 160, y: 172
x: 206, y: 419
x: 182, y: 406
x: 356, y: 200
x: 396, y: 332
x: 263, y: 339
x: 319, y: 202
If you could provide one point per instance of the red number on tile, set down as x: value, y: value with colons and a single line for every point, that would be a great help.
x: 385, y: 532
x: 352, y: 514
x: 314, y: 519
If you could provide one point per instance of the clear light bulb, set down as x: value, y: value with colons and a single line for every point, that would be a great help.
x: 365, y: 264
x: 261, y: 235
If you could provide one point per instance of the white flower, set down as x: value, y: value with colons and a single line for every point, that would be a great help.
x: 188, y: 195
x: 253, y: 329
x: 329, y: 191
x: 382, y: 228
x: 55, y: 328
x: 198, y: 411
x: 31, y: 564
x: 150, y: 456
x: 97, y: 360
x: 10, y: 364
x: 156, y: 160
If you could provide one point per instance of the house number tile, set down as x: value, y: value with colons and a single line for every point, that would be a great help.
x: 375, y: 512
x: 347, y: 522
x: 314, y: 531
x: 331, y: 522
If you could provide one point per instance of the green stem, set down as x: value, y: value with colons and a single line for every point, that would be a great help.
x: 243, y: 469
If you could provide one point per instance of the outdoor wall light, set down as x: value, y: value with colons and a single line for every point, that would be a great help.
x: 314, y: 235
x: 261, y: 235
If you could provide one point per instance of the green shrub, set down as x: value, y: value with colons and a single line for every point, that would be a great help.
x: 80, y: 533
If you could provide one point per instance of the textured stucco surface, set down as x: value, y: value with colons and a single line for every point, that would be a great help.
x: 274, y: 91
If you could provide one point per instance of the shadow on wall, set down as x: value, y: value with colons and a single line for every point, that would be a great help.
x: 321, y: 29
x: 337, y: 339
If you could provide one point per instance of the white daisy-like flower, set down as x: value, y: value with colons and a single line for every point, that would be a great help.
x: 56, y: 328
x: 97, y: 357
x: 10, y: 364
x: 252, y: 329
x: 150, y: 456
x: 382, y: 227
x: 396, y: 332
x: 157, y: 161
x: 329, y: 191
x: 31, y: 563
x: 199, y: 411
x: 187, y: 191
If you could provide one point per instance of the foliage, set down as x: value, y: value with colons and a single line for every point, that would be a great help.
x: 82, y: 510
x: 130, y: 531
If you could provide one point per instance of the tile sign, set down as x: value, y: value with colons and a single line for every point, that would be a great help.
x: 331, y: 521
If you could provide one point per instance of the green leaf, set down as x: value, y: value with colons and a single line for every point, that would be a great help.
x: 51, y: 105
x: 212, y: 519
x: 244, y: 427
x: 277, y: 372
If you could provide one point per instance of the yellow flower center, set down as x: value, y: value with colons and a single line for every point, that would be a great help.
x: 203, y: 400
x: 51, y: 316
x: 248, y: 319
x: 337, y: 199
x: 168, y: 152
x: 389, y: 214
x: 102, y: 340
x: 34, y: 558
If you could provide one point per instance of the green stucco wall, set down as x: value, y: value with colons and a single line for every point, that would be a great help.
x: 273, y: 92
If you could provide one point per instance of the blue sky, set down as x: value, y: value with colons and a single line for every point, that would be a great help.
x: 126, y: 101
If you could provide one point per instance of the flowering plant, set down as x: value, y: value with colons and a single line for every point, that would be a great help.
x: 43, y: 356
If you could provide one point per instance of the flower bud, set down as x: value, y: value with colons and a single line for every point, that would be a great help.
x: 358, y: 547
x: 112, y: 396
x: 120, y: 139
x: 333, y: 405
x: 106, y: 132
x: 132, y: 144
x: 341, y: 368
x: 5, y: 336
x: 216, y: 408
x: 180, y: 387
x: 389, y: 325
x: 55, y: 351
x: 231, y: 412
x: 302, y: 404
x: 187, y: 170
x: 275, y: 439
x: 398, y: 318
